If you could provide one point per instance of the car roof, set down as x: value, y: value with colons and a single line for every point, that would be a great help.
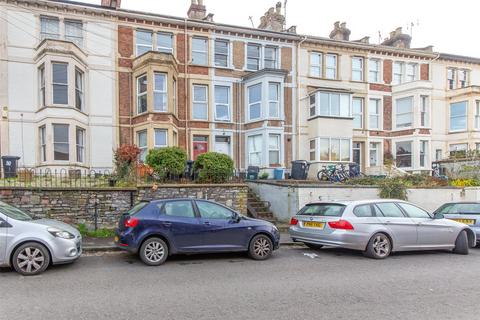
x: 353, y: 202
x: 462, y: 202
x: 179, y: 199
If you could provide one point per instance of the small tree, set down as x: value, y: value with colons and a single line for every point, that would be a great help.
x: 393, y: 188
x: 213, y: 167
x: 126, y: 160
x: 167, y: 162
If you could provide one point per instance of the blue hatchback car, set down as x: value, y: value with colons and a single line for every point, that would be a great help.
x: 160, y: 228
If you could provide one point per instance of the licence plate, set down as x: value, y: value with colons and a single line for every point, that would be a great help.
x: 116, y: 239
x: 465, y: 221
x: 313, y: 224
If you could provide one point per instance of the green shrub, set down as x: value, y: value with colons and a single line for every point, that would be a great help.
x: 167, y: 162
x: 263, y: 176
x: 213, y: 167
x: 393, y: 188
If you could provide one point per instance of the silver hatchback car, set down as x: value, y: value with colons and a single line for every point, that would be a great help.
x: 378, y: 227
x: 31, y: 245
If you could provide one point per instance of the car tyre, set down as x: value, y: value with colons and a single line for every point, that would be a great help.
x: 260, y: 248
x: 154, y: 252
x: 461, y: 244
x: 31, y: 259
x: 379, y: 246
x: 313, y: 246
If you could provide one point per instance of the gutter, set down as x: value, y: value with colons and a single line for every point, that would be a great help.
x: 297, y: 100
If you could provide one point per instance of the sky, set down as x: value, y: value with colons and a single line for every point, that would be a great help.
x: 450, y: 27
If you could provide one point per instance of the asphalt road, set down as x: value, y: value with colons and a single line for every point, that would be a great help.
x: 297, y: 283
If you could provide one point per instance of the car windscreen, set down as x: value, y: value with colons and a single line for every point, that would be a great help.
x: 136, y: 208
x: 14, y: 213
x: 461, y: 208
x: 323, y: 210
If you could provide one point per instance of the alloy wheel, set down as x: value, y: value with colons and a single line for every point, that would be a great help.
x: 381, y: 245
x: 30, y: 260
x: 261, y: 247
x: 154, y: 252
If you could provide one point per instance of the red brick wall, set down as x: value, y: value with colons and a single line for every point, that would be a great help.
x: 387, y: 113
x: 380, y: 87
x: 125, y: 41
x: 387, y: 71
x: 424, y: 71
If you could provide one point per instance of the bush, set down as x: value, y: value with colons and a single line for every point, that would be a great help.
x: 393, y: 188
x: 213, y: 167
x: 126, y: 159
x: 465, y: 183
x: 167, y: 162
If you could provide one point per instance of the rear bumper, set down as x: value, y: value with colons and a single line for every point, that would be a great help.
x: 338, y: 238
x: 125, y: 241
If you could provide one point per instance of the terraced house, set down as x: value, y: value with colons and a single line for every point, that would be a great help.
x: 77, y: 80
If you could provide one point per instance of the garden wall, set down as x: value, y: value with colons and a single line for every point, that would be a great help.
x: 287, y: 199
x: 75, y: 205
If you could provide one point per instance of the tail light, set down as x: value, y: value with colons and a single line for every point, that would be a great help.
x: 293, y: 221
x: 341, y: 224
x: 131, y: 223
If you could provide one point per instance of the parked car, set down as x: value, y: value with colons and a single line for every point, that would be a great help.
x: 378, y: 228
x: 464, y: 212
x: 30, y: 245
x: 161, y: 228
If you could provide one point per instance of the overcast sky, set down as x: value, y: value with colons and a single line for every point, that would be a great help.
x: 451, y: 27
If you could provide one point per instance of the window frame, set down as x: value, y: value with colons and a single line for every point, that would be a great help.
x: 42, y: 85
x: 222, y: 54
x: 424, y: 111
x: 360, y: 70
x: 377, y: 114
x: 411, y: 75
x: 137, y: 45
x: 258, y: 153
x: 398, y: 114
x: 66, y: 84
x: 410, y: 154
x: 48, y: 35
x: 143, y: 148
x: 465, y: 116
x: 361, y: 114
x: 198, y: 103
x: 312, y: 150
x: 423, y: 153
x: 334, y: 67
x: 79, y: 89
x: 257, y: 59
x: 155, y: 144
x: 42, y: 135
x: 376, y: 72
x: 67, y: 142
x: 398, y: 77
x: 275, y: 58
x: 163, y: 91
x: 200, y: 53
x: 221, y: 104
x: 142, y: 94
x: 276, y: 149
x: 318, y: 66
x: 161, y: 48
x: 477, y: 115
x: 76, y: 39
x: 374, y: 146
x: 342, y: 97
x: 80, y: 144
x: 276, y: 102
x: 254, y: 103
x: 451, y: 78
x: 340, y: 140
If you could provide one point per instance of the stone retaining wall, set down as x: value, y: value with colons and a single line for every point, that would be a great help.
x: 75, y: 206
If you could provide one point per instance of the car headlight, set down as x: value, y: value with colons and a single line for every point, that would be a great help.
x: 60, y: 233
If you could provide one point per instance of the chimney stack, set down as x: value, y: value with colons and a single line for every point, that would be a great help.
x: 111, y: 4
x: 273, y: 19
x: 197, y: 10
x: 398, y: 39
x: 340, y: 31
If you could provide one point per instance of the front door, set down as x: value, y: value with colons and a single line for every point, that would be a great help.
x: 3, y: 239
x: 402, y: 228
x: 357, y: 154
x: 200, y: 146
x: 222, y: 145
x: 220, y: 232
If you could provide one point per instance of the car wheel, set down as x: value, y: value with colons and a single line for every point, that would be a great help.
x: 461, y: 244
x: 154, y: 252
x: 261, y: 247
x: 379, y: 247
x: 313, y: 246
x: 31, y: 259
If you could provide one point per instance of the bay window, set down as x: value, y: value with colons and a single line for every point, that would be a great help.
x: 458, y: 116
x: 335, y: 149
x: 144, y: 42
x: 331, y: 104
x: 165, y: 42
x: 200, y: 102
x: 60, y: 83
x: 49, y: 28
x: 160, y: 138
x: 74, y: 32
x: 357, y: 69
x: 42, y: 134
x: 142, y: 94
x: 423, y: 153
x: 357, y: 108
x: 458, y: 150
x: 160, y: 96
x: 253, y: 56
x: 270, y: 57
x: 61, y: 142
x: 316, y: 64
x: 274, y: 149
x: 313, y: 150
x: 274, y: 100
x: 79, y: 89
x: 255, y: 102
x: 221, y: 53
x: 80, y: 144
x: 222, y: 103
x: 404, y: 112
x: 424, y: 111
x: 331, y: 66
x: 404, y: 154
x: 374, y: 70
x: 255, y: 150
x: 374, y: 114
x: 313, y: 105
x: 200, y: 51
x: 142, y: 144
x: 174, y: 97
x: 41, y: 81
x: 477, y: 115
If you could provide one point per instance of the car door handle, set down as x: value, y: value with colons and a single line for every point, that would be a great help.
x: 207, y: 223
x: 167, y: 224
x: 388, y: 222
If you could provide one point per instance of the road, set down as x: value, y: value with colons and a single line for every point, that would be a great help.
x: 297, y: 283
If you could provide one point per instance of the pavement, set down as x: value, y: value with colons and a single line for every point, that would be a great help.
x: 106, y: 244
x: 296, y: 283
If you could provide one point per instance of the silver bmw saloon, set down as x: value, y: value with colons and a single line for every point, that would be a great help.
x: 30, y: 245
x: 378, y: 228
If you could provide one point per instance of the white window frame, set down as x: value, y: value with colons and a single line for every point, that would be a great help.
x: 259, y: 102
x: 222, y: 104
x: 320, y: 142
x: 312, y: 150
x: 333, y: 68
x: 398, y: 77
x: 42, y: 86
x: 222, y: 54
x: 411, y: 153
x: 200, y: 103
x: 358, y: 71
x: 175, y: 95
x: 143, y: 148
x: 342, y: 97
x: 318, y: 66
x: 374, y: 73
x: 258, y: 59
x: 423, y: 153
x: 275, y: 58
x: 79, y: 89
x: 42, y: 135
x: 43, y: 28
x: 75, y: 38
x: 277, y: 149
x: 59, y: 83
x: 162, y: 91
x: 162, y: 48
x: 411, y: 72
x: 361, y: 114
x: 377, y: 114
x: 398, y: 114
x: 465, y: 115
x: 202, y: 55
x: 463, y: 75
x: 375, y: 146
x: 312, y: 105
x: 137, y: 45
x: 80, y: 144
x: 477, y: 115
x: 67, y: 142
x: 451, y: 78
x: 274, y: 102
x: 424, y: 111
x: 257, y: 152
x: 141, y: 94
x: 157, y: 145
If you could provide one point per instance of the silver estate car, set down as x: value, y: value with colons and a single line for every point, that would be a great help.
x: 31, y: 245
x: 464, y: 212
x: 378, y: 227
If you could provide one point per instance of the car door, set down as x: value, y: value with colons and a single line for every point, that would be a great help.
x: 178, y: 217
x: 431, y: 233
x: 402, y: 228
x: 4, y: 226
x: 220, y: 232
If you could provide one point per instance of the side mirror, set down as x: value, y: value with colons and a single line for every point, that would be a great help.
x: 438, y: 216
x: 235, y: 217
